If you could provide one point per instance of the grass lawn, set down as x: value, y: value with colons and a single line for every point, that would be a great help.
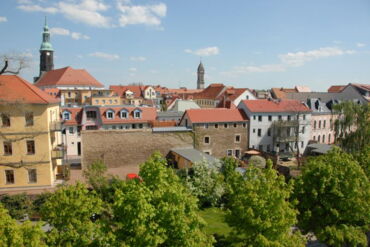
x: 215, y: 219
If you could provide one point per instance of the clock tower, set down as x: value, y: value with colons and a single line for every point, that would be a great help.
x: 46, y: 51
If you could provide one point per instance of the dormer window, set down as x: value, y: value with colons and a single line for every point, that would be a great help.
x: 137, y: 113
x: 66, y: 115
x: 110, y: 114
x: 124, y: 114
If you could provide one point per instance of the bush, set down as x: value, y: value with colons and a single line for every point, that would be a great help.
x: 18, y: 205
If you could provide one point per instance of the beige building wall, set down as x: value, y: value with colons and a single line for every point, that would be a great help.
x: 322, y: 127
x: 46, y: 135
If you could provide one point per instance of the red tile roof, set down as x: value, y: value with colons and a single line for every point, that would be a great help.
x: 120, y: 90
x: 54, y: 92
x: 365, y: 87
x: 265, y: 105
x: 279, y: 93
x: 211, y: 92
x: 14, y: 89
x: 215, y: 115
x: 147, y: 114
x: 336, y: 88
x: 76, y: 115
x: 68, y: 77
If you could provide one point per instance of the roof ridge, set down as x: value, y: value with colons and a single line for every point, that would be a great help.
x: 32, y: 89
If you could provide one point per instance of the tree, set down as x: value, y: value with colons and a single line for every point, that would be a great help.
x: 70, y: 211
x: 352, y: 127
x: 95, y: 175
x: 159, y: 210
x: 13, y: 63
x: 18, y: 205
x: 206, y: 183
x: 13, y: 234
x: 334, y: 199
x: 259, y: 211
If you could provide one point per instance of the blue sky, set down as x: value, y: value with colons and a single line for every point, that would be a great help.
x: 244, y: 43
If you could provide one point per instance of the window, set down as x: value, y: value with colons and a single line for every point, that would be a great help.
x: 260, y: 147
x: 304, y: 117
x: 259, y: 132
x: 6, y: 120
x: 237, y: 153
x: 91, y: 115
x: 254, y: 130
x: 29, y: 118
x: 32, y: 176
x: 92, y: 127
x: 314, y: 138
x: 226, y: 126
x: 268, y: 148
x: 137, y: 114
x: 103, y: 101
x: 329, y: 138
x: 66, y: 115
x: 235, y: 125
x: 71, y: 130
x: 9, y: 176
x: 280, y: 117
x: 302, y: 144
x: 318, y: 138
x: 237, y: 138
x: 206, y: 126
x: 287, y: 146
x: 270, y: 118
x: 254, y: 117
x: 244, y: 125
x: 69, y: 94
x: 124, y: 114
x: 331, y: 123
x: 216, y: 126
x: 8, y: 148
x: 140, y: 126
x: 96, y: 101
x: 110, y: 101
x: 303, y: 129
x: 323, y: 138
x: 269, y: 132
x: 314, y: 124
x: 320, y: 124
x: 259, y: 118
x: 324, y: 124
x: 207, y: 152
x: 110, y: 114
x: 30, y: 147
x: 206, y: 140
x: 289, y: 117
x: 229, y: 152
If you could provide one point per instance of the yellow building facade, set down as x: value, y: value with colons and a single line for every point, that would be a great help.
x: 30, y: 136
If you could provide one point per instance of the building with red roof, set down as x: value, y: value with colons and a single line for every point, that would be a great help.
x: 274, y: 125
x: 136, y: 94
x: 31, y: 156
x: 218, y: 131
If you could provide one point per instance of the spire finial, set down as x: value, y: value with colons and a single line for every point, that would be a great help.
x: 46, y: 21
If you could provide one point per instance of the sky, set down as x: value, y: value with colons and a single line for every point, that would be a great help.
x: 255, y: 44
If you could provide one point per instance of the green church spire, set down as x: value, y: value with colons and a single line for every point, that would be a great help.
x: 46, y: 45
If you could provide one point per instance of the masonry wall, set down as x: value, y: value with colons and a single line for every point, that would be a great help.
x: 128, y: 149
x: 221, y: 139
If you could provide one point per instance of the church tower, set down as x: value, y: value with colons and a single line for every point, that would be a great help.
x: 46, y: 51
x: 200, y: 81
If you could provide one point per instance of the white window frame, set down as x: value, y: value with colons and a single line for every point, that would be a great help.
x: 240, y: 138
x: 229, y: 153
x: 65, y: 113
x: 137, y: 111
x: 123, y: 111
x: 107, y: 114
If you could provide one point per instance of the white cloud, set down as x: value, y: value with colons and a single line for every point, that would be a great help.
x: 106, y: 56
x: 37, y: 8
x: 140, y: 14
x: 66, y: 32
x: 208, y: 51
x: 132, y: 69
x: 300, y: 58
x: 260, y: 68
x: 360, y: 45
x: 138, y: 59
x: 3, y: 19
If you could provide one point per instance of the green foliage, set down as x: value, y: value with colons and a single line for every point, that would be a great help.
x: 352, y: 128
x: 259, y: 211
x: 18, y: 205
x: 363, y: 159
x: 334, y: 198
x: 205, y: 183
x: 13, y: 234
x: 257, y: 161
x: 95, y: 176
x: 158, y: 211
x: 228, y: 167
x: 68, y: 211
x: 343, y: 235
x: 38, y: 202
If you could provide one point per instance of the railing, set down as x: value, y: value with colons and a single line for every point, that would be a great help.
x: 57, y: 154
x: 286, y: 123
x: 286, y: 138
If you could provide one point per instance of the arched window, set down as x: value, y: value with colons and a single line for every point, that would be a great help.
x: 137, y: 113
x: 320, y: 124
x: 110, y: 114
x: 329, y: 137
x: 323, y: 138
x: 314, y: 124
x: 318, y: 138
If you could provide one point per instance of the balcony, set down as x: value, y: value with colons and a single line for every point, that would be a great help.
x: 283, y: 139
x: 57, y: 154
x: 286, y: 123
x: 56, y: 126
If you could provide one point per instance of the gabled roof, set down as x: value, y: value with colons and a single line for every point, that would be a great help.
x: 68, y: 77
x: 270, y: 105
x: 76, y: 115
x: 336, y: 88
x: 365, y: 87
x: 213, y: 91
x: 279, y: 93
x: 14, y: 89
x: 215, y: 115
x: 120, y: 90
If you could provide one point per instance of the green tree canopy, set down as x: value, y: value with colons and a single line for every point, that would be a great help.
x: 334, y: 199
x: 259, y: 211
x: 159, y: 210
x: 69, y: 212
x: 13, y: 234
